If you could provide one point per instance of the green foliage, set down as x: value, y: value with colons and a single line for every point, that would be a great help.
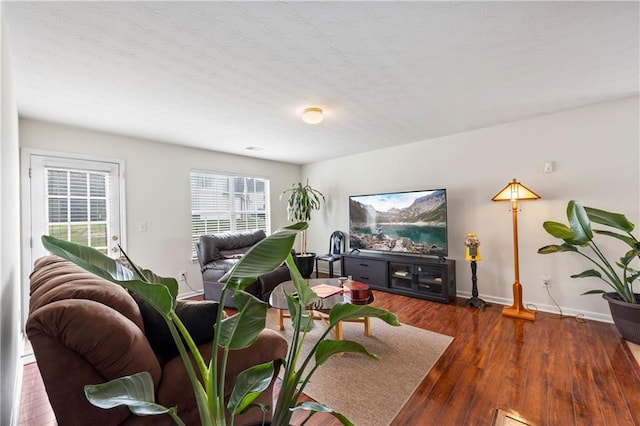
x: 249, y: 384
x: 579, y: 236
x: 301, y: 201
x: 135, y: 391
x: 235, y: 332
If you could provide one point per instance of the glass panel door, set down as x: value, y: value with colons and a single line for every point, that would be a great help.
x: 429, y: 280
x: 401, y: 276
x: 71, y: 197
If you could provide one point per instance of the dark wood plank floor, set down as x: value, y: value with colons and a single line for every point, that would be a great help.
x: 551, y: 371
x: 34, y: 404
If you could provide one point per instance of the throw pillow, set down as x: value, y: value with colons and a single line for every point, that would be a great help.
x: 198, y: 317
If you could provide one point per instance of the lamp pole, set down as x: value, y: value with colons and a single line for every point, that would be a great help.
x: 516, y: 257
x: 517, y: 310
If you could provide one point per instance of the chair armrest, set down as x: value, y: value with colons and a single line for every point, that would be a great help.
x: 267, y: 282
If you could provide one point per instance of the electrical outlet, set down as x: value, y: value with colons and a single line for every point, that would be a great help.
x: 546, y: 281
x: 183, y: 275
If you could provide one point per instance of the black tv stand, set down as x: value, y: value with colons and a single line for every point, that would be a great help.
x: 424, y: 277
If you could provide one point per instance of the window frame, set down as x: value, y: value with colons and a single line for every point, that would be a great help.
x: 238, y: 207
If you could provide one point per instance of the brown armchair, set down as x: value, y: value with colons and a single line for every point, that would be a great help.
x: 86, y: 330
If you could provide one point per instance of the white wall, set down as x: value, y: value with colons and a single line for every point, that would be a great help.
x: 158, y: 188
x: 10, y: 326
x: 595, y: 151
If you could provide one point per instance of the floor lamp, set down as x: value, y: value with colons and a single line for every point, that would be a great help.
x: 514, y: 192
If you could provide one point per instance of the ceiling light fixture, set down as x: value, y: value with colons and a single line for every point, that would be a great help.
x: 312, y: 115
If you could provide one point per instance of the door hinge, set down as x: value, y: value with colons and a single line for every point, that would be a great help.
x: 29, y: 172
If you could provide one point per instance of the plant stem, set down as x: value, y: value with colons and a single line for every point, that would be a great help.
x: 214, y: 392
x: 282, y: 414
x: 192, y: 346
x: 199, y: 392
x: 307, y: 360
x: 176, y: 418
x: 619, y: 285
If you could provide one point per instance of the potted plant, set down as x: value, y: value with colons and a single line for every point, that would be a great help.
x: 234, y: 332
x: 616, y: 273
x: 301, y: 201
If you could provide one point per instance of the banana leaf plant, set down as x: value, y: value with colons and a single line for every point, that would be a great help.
x: 580, y: 235
x: 234, y: 332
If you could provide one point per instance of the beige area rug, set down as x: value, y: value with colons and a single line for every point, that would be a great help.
x: 635, y: 351
x: 369, y: 392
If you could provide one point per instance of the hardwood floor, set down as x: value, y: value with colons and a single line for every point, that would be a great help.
x: 551, y: 371
x: 34, y: 404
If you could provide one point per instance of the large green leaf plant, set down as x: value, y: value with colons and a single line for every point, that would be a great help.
x: 579, y: 236
x: 234, y: 332
x: 301, y: 201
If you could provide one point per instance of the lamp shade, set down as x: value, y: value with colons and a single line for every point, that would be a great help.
x: 515, y: 191
x: 312, y: 115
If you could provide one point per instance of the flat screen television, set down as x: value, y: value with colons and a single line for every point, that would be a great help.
x: 413, y: 222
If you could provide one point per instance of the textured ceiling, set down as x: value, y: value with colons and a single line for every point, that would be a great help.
x: 229, y: 75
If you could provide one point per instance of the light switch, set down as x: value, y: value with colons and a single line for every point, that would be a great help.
x: 142, y: 227
x: 548, y: 166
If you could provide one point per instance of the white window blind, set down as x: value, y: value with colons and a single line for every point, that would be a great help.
x: 224, y: 203
x: 77, y: 206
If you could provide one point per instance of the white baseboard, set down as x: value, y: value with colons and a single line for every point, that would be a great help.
x: 595, y: 316
x: 15, y: 408
x: 190, y: 294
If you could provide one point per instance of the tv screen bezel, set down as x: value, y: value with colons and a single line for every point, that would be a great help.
x: 391, y: 252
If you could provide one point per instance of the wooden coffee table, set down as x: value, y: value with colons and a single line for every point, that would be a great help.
x: 319, y: 310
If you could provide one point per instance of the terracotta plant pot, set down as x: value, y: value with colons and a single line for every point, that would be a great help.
x: 626, y: 316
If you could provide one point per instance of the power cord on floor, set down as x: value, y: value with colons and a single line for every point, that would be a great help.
x: 187, y: 284
x: 578, y: 317
x: 534, y: 308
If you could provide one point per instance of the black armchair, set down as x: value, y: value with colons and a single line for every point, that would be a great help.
x: 217, y: 253
x: 336, y: 247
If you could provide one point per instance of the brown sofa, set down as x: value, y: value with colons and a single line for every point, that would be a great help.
x: 218, y: 253
x: 86, y: 330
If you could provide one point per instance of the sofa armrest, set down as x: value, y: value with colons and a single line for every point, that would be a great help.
x: 80, y: 342
x: 212, y: 272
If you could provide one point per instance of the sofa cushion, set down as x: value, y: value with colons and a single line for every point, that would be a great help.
x: 198, y: 317
x: 54, y: 278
